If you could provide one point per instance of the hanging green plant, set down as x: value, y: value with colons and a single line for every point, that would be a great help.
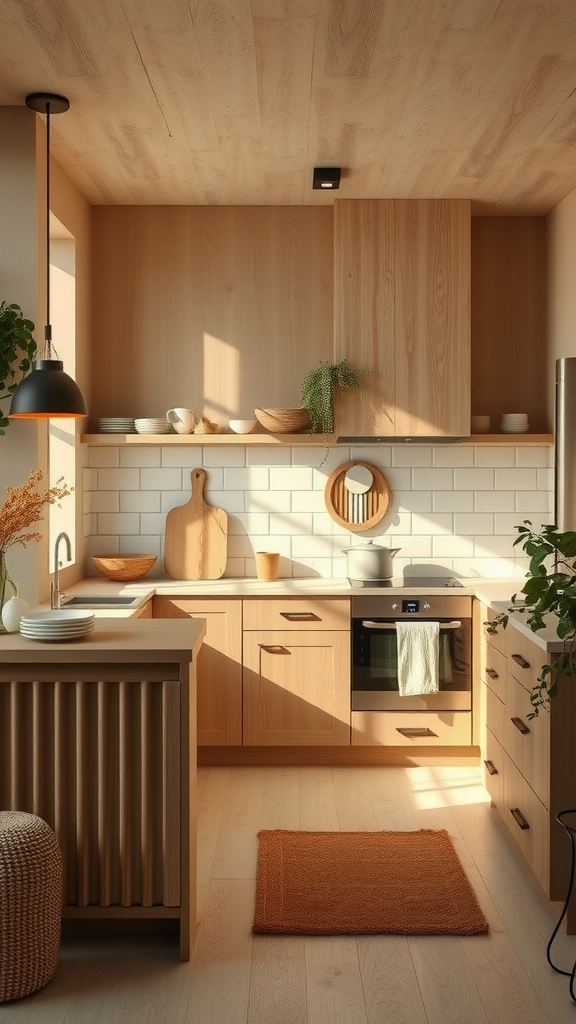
x: 318, y: 388
x: 17, y: 350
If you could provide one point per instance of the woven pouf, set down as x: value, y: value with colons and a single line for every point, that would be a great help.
x: 30, y: 903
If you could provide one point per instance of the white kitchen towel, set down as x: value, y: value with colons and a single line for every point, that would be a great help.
x: 418, y: 656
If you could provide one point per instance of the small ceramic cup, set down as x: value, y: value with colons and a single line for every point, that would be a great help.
x: 480, y: 424
x: 267, y: 565
x: 182, y: 421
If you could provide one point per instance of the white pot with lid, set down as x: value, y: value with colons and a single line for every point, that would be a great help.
x: 369, y: 561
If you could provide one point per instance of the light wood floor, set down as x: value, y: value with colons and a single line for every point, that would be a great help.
x: 238, y: 978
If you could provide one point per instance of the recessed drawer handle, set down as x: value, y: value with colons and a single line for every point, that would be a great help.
x: 492, y: 673
x: 491, y: 768
x: 274, y: 649
x: 519, y: 818
x: 415, y: 731
x: 520, y: 660
x: 300, y: 616
x: 520, y: 725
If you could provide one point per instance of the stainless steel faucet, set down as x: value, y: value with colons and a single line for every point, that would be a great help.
x: 55, y: 595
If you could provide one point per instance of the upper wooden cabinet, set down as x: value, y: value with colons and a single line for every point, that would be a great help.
x: 402, y: 306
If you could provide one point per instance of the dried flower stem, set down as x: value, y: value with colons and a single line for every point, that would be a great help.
x: 24, y: 506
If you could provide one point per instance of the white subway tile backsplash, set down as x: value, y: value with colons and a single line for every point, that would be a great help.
x: 143, y: 545
x: 515, y: 479
x: 140, y: 456
x: 152, y: 522
x: 453, y: 501
x: 268, y: 501
x: 161, y: 479
x: 253, y: 478
x: 474, y: 479
x: 412, y: 455
x: 268, y: 456
x: 295, y: 478
x: 494, y: 501
x: 138, y: 501
x: 452, y: 455
x: 107, y: 501
x: 119, y: 522
x: 100, y: 457
x: 291, y: 524
x: 118, y: 479
x: 532, y: 502
x: 435, y: 523
x: 451, y: 507
x: 473, y: 523
x: 433, y: 479
x: 492, y: 455
x: 528, y: 455
x: 411, y: 501
x: 224, y: 455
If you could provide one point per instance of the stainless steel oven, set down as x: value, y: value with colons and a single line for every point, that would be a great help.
x: 375, y: 651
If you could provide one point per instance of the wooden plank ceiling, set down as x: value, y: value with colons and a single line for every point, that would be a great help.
x: 233, y: 102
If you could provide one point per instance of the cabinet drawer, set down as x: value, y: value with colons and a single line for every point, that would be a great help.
x: 525, y: 658
x: 496, y: 640
x: 494, y: 765
x: 528, y: 821
x: 496, y: 716
x: 296, y: 613
x: 496, y: 671
x: 528, y: 742
x: 411, y: 728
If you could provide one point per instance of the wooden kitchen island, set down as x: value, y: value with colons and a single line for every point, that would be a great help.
x: 98, y: 737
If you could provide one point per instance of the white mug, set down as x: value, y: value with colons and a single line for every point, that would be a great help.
x: 182, y: 421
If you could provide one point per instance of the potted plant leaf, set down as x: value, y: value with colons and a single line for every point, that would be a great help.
x: 17, y: 350
x: 549, y: 595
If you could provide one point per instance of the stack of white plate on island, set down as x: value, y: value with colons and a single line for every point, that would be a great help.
x: 514, y: 423
x: 153, y: 425
x: 116, y: 425
x: 57, y: 624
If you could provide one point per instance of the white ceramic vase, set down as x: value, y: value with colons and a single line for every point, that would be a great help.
x: 12, y: 612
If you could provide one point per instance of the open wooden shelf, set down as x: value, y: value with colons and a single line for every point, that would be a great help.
x: 318, y: 440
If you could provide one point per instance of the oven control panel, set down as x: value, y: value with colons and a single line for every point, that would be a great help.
x: 425, y: 606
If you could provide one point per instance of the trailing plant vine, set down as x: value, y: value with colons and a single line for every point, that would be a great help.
x: 318, y: 388
x: 550, y: 590
x: 17, y: 350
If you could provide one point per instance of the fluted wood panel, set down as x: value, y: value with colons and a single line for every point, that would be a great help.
x: 100, y: 762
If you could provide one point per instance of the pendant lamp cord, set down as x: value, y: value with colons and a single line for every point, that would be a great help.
x: 48, y: 326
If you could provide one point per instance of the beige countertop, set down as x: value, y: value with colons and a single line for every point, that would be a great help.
x: 112, y: 640
x: 495, y: 592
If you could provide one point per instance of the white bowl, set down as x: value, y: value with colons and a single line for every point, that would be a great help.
x: 242, y: 426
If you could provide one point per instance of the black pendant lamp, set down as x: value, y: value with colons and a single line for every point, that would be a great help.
x: 47, y: 391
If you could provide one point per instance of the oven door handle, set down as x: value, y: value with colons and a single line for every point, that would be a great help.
x: 392, y: 625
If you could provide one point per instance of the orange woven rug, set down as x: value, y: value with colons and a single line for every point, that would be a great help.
x: 357, y: 883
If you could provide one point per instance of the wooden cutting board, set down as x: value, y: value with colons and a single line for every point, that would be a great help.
x: 196, y: 541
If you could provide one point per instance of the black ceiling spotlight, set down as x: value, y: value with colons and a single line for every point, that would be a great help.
x: 47, y: 391
x: 326, y: 177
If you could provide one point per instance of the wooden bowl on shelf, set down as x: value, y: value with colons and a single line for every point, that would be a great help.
x: 123, y: 567
x: 283, y: 421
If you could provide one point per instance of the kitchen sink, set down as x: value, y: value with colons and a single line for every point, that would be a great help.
x: 101, y: 602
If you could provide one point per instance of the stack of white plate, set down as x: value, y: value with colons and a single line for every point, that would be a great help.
x: 514, y: 423
x: 153, y: 425
x: 57, y: 624
x: 116, y: 425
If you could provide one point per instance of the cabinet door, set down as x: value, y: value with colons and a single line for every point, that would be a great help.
x: 402, y: 306
x: 219, y: 666
x: 296, y: 688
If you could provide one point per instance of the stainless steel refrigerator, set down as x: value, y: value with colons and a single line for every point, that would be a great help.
x: 565, y: 445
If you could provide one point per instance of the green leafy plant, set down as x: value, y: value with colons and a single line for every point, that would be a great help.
x: 318, y: 388
x: 17, y: 350
x: 550, y: 590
